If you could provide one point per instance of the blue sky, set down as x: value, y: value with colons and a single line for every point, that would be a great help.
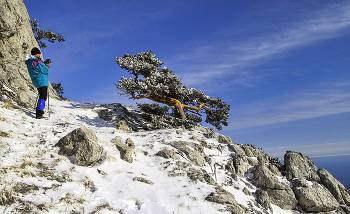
x: 283, y: 66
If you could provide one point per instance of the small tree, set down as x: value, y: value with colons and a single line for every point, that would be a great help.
x: 162, y: 86
x: 42, y: 34
x: 59, y: 90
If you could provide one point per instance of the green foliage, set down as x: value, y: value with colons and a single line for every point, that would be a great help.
x: 42, y: 34
x: 162, y: 86
x: 59, y: 90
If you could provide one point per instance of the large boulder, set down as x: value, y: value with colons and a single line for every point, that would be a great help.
x: 313, y: 197
x: 335, y: 187
x: 300, y: 166
x: 16, y: 40
x: 83, y: 145
x: 221, y: 196
x: 241, y: 164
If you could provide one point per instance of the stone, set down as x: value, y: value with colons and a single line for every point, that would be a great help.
x: 194, y: 152
x: 144, y: 180
x: 263, y: 199
x: 221, y: 196
x: 126, y: 150
x: 298, y: 166
x: 313, y: 197
x: 248, y: 150
x: 284, y: 198
x: 273, y: 168
x: 262, y: 176
x: 236, y: 149
x: 166, y: 153
x: 81, y: 143
x: 241, y: 164
x: 334, y: 186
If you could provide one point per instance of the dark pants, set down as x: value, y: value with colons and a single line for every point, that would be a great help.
x: 42, y: 96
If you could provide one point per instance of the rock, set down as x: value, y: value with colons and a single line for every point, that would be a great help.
x: 248, y: 150
x: 246, y: 191
x: 334, y: 186
x: 236, y: 149
x: 273, y: 168
x: 166, y: 153
x: 313, y: 197
x: 298, y: 166
x: 263, y: 199
x: 283, y: 198
x: 81, y: 143
x: 262, y: 176
x: 194, y: 152
x: 241, y: 164
x: 16, y: 40
x: 126, y: 150
x: 202, y: 176
x: 221, y: 196
x: 144, y: 180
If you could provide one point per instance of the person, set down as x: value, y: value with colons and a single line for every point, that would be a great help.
x: 38, y: 72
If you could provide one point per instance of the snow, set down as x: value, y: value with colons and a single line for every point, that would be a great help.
x: 29, y: 149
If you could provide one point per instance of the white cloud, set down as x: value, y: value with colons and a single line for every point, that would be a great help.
x: 325, y: 99
x: 228, y: 58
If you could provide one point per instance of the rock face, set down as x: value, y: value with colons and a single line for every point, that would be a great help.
x: 16, y: 40
x: 81, y: 143
x: 335, y: 187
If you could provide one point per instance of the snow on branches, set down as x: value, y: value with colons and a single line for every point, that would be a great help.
x: 162, y: 86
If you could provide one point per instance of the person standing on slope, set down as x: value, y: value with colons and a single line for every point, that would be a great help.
x: 38, y: 72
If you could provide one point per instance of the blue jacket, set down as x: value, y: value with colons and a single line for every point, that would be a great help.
x: 38, y: 72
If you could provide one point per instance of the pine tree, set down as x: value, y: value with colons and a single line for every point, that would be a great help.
x: 162, y: 86
x: 42, y: 34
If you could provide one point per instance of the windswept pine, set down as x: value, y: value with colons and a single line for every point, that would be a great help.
x: 161, y: 85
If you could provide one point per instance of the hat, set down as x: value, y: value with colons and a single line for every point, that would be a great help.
x: 35, y: 51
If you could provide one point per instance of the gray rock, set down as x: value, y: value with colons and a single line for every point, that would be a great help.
x: 221, y: 196
x: 81, y: 143
x: 298, y: 166
x: 248, y: 150
x: 313, y: 197
x: 262, y: 176
x: 241, y: 164
x: 16, y: 40
x: 166, y: 153
x: 237, y: 149
x: 335, y: 187
x: 263, y: 199
x: 283, y: 198
x: 194, y: 152
x: 126, y: 150
x: 273, y: 168
x: 144, y: 180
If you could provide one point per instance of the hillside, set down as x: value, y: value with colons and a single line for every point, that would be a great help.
x: 162, y: 171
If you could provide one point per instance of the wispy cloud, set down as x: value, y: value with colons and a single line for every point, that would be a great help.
x: 325, y: 99
x: 230, y: 57
x: 318, y: 150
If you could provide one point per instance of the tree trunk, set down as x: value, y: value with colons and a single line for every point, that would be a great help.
x: 179, y: 107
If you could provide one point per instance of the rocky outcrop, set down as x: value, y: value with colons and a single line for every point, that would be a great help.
x: 16, y: 40
x: 166, y: 153
x: 82, y: 145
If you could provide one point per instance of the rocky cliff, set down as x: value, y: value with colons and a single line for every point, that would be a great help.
x: 16, y: 40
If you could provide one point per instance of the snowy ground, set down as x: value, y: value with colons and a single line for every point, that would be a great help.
x: 36, y: 179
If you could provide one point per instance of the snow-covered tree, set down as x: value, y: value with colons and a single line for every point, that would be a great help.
x: 162, y: 86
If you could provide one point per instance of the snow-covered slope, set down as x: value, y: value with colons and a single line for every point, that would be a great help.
x: 34, y: 178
